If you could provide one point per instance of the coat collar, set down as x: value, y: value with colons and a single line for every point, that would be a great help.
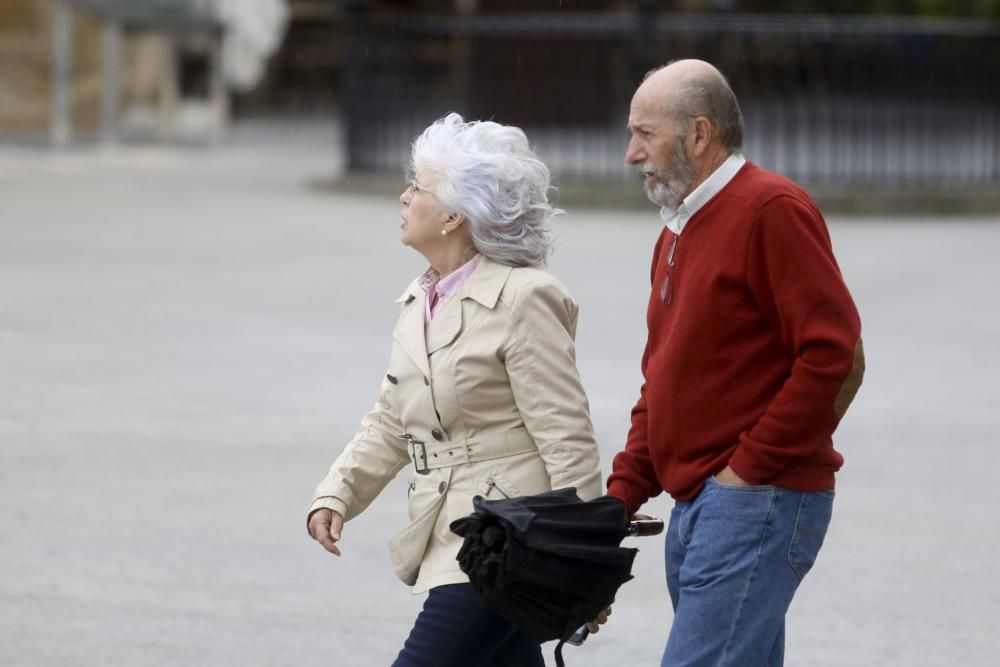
x: 411, y: 292
x: 409, y: 332
x: 484, y: 285
x: 486, y: 282
x: 419, y: 340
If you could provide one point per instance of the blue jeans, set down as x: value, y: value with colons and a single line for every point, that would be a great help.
x: 735, y: 556
x: 455, y: 629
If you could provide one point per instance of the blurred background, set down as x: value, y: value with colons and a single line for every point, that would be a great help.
x: 888, y: 94
x: 199, y: 255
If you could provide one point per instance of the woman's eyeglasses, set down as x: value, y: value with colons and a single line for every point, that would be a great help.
x: 412, y: 188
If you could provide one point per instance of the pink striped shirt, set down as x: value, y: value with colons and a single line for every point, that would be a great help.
x: 438, y: 289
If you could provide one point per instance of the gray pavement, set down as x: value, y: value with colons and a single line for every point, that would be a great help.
x: 188, y: 336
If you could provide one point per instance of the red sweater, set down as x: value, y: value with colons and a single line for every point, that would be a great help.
x: 754, y: 356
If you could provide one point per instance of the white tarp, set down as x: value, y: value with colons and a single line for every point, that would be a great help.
x: 254, y: 31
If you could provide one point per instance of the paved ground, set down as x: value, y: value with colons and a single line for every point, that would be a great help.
x: 188, y: 336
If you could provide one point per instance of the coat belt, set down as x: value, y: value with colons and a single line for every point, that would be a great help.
x: 431, y: 456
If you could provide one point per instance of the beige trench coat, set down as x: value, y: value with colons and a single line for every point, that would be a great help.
x: 486, y: 400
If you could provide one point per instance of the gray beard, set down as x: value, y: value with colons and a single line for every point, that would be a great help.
x: 669, y: 194
x: 670, y: 191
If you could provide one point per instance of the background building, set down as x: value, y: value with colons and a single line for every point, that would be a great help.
x: 851, y: 94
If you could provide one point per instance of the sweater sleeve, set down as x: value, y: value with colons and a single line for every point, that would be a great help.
x: 633, y: 478
x: 795, y: 279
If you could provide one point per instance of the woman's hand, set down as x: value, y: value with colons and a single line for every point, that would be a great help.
x: 595, y: 625
x: 325, y: 526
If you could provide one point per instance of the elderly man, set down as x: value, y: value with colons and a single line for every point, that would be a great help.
x: 753, y: 355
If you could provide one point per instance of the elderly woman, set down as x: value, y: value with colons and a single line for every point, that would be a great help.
x: 482, y: 395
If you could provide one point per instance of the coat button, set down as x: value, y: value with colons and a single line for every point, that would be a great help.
x: 441, y: 487
x: 426, y: 381
x: 392, y: 379
x: 438, y: 435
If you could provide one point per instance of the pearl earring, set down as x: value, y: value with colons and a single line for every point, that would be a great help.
x: 444, y: 232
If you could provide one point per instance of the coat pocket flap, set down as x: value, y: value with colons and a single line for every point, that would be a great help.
x: 407, y: 548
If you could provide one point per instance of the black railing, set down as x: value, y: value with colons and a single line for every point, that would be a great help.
x: 827, y: 100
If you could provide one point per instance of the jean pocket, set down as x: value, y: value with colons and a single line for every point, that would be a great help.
x: 811, y: 523
x: 736, y: 508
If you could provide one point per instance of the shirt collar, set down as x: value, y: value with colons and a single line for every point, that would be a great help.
x: 675, y: 219
x: 447, y: 285
x: 484, y: 285
x: 431, y: 279
x: 428, y: 279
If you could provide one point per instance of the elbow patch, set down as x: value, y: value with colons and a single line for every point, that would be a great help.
x: 852, y: 383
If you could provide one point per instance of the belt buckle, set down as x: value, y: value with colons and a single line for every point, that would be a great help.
x: 422, y: 456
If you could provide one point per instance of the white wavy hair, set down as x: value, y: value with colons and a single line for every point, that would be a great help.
x: 487, y: 172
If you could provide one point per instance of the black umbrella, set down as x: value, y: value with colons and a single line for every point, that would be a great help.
x: 548, y: 563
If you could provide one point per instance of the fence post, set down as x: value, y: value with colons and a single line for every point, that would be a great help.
x: 61, y: 105
x: 110, y: 81
x: 355, y: 99
x: 169, y: 92
x: 646, y: 36
x: 461, y: 47
x: 217, y: 92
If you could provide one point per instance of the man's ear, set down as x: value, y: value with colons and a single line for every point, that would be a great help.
x: 701, y: 135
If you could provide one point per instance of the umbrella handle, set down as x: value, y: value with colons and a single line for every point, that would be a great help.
x: 647, y: 525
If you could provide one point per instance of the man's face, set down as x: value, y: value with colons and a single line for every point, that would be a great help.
x: 657, y: 149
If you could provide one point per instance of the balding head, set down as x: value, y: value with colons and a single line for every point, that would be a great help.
x: 687, y: 89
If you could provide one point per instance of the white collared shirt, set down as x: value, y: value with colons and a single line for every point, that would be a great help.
x: 675, y: 219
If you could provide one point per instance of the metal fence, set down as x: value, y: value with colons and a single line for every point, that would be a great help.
x: 848, y: 100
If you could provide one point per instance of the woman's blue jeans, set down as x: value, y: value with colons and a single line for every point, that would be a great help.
x: 735, y: 556
x: 455, y: 629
